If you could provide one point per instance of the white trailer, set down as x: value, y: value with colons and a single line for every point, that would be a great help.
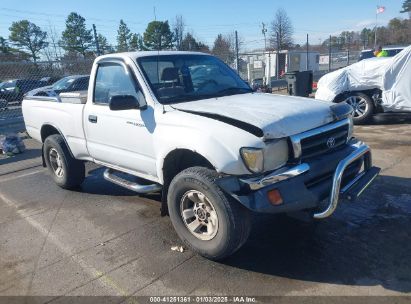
x: 290, y: 61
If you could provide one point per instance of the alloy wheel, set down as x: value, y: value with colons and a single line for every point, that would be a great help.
x: 56, y: 162
x: 199, y: 215
x: 359, y: 105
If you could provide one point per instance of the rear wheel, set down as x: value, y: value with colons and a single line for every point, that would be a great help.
x: 363, y: 107
x: 205, y: 219
x: 66, y: 171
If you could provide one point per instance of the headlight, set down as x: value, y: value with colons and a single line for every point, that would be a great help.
x: 253, y: 158
x: 273, y: 156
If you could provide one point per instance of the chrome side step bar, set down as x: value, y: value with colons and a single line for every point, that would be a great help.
x: 366, y: 177
x: 144, y: 189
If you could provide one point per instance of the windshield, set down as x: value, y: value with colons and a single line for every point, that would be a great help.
x: 179, y: 78
x: 63, y: 84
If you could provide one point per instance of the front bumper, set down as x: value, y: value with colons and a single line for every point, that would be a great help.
x: 303, y: 187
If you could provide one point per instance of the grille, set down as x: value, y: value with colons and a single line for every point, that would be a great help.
x: 317, y: 144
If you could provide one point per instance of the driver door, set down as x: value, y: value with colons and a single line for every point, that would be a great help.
x: 121, y: 139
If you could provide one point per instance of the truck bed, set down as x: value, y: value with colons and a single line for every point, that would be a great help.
x: 64, y: 113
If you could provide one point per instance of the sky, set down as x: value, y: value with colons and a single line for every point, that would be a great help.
x: 206, y: 19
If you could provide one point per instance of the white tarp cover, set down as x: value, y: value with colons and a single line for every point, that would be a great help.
x: 391, y: 75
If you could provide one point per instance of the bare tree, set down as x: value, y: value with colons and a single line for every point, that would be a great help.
x: 178, y: 31
x: 282, y: 26
x: 53, y: 50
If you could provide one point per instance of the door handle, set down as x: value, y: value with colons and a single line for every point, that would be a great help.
x: 92, y: 118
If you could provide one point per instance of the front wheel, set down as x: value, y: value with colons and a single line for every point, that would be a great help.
x: 206, y: 220
x: 363, y: 107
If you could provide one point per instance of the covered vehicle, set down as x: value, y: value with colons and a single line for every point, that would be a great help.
x: 66, y: 84
x: 371, y: 86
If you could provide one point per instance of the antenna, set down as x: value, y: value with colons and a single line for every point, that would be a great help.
x: 158, y: 54
x: 158, y: 45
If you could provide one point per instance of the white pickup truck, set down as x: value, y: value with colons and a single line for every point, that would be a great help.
x: 187, y: 125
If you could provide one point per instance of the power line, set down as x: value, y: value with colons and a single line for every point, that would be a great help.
x: 65, y: 16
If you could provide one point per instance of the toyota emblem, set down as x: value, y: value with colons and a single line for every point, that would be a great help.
x: 331, y: 142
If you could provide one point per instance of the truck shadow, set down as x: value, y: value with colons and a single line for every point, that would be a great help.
x: 96, y: 184
x: 366, y: 243
x: 391, y: 119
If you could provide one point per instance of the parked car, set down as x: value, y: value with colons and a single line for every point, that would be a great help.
x: 66, y: 84
x: 390, y: 50
x: 49, y: 80
x: 215, y: 150
x: 371, y: 86
x: 14, y: 90
x: 257, y: 83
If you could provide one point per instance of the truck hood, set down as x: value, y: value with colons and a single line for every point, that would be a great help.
x: 265, y: 115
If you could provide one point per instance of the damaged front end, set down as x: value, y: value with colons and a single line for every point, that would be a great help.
x: 325, y: 163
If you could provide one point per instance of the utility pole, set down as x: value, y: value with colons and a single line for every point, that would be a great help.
x: 96, y: 40
x: 348, y: 49
x: 329, y: 55
x: 306, y: 59
x: 277, y: 60
x: 236, y: 53
x: 264, y: 31
x: 269, y: 70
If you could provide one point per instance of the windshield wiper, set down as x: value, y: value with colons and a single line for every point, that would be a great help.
x: 234, y: 90
x: 224, y: 92
x: 183, y: 98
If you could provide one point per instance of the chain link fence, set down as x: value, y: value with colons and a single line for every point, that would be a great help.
x: 18, y: 78
x: 255, y: 66
x: 337, y: 60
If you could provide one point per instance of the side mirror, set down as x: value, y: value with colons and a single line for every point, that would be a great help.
x: 123, y: 102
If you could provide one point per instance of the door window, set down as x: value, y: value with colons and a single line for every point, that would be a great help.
x: 111, y: 80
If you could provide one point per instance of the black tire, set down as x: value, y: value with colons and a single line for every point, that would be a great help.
x: 369, y: 108
x: 73, y: 170
x: 233, y: 219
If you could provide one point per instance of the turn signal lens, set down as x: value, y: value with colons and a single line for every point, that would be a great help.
x: 274, y: 196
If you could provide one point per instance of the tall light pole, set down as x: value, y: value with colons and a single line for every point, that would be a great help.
x: 96, y: 40
x: 375, y: 31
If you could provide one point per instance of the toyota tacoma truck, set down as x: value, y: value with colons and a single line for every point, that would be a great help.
x: 186, y: 125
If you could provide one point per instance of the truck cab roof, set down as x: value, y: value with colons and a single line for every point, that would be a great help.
x: 135, y: 55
